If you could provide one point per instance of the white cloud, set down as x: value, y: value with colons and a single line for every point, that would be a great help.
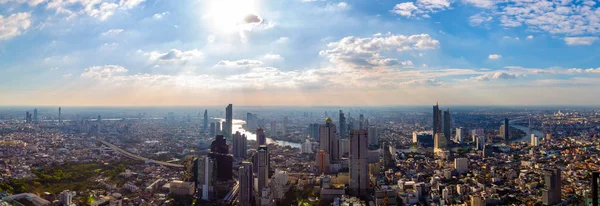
x: 239, y: 63
x: 530, y: 37
x: 30, y: 2
x: 494, y: 56
x: 366, y: 52
x: 273, y: 57
x: 112, y: 32
x: 481, y: 3
x: 282, y: 40
x: 94, y: 8
x: 420, y: 8
x: 160, y: 15
x: 552, y: 16
x: 572, y: 41
x: 590, y: 70
x: 479, y: 19
x: 175, y: 55
x: 423, y: 82
x: 495, y: 76
x: 342, y: 5
x: 102, y: 72
x: 128, y: 4
x: 14, y: 25
x: 510, y: 38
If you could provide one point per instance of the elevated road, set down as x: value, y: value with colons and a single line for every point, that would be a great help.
x: 137, y: 157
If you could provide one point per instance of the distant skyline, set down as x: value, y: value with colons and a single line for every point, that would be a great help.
x: 299, y: 52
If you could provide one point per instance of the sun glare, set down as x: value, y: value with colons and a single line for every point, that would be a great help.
x: 227, y: 16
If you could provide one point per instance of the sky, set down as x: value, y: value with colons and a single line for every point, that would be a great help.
x: 299, y: 52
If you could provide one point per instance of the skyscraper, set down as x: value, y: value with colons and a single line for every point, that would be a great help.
x: 329, y: 140
x: 35, y: 115
x: 459, y: 135
x: 439, y: 141
x: 240, y: 145
x: 322, y: 161
x: 263, y: 166
x: 506, y: 130
x: 205, y: 177
x: 359, y: 179
x: 218, y: 128
x: 273, y: 129
x: 373, y: 136
x: 361, y: 121
x: 437, y: 119
x: 219, y: 151
x: 59, y: 113
x: 246, y: 179
x: 205, y: 124
x: 343, y: 126
x: 213, y: 129
x: 551, y: 194
x: 260, y: 137
x: 227, y: 127
x: 447, y: 122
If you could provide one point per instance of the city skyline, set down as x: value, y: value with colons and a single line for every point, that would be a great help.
x: 164, y: 53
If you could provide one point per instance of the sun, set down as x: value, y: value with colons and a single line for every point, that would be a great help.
x: 227, y: 16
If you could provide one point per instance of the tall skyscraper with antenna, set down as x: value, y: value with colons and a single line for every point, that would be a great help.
x: 205, y: 124
x: 437, y: 119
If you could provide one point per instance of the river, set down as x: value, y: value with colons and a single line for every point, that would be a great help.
x: 528, y: 132
x: 237, y: 127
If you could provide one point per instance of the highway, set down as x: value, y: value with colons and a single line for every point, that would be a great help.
x: 127, y: 154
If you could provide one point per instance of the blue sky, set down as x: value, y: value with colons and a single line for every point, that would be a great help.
x: 299, y: 52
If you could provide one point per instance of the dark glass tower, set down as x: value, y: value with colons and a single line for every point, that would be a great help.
x: 228, y: 121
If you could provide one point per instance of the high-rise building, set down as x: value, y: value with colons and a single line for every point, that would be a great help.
x: 219, y: 151
x: 218, y: 130
x: 205, y: 177
x: 59, y: 113
x: 361, y: 121
x: 227, y: 127
x: 359, y: 179
x: 246, y: 179
x: 534, y: 140
x: 506, y: 130
x: 437, y: 119
x: 285, y: 125
x: 322, y: 161
x: 344, y: 145
x: 263, y: 166
x: 35, y: 115
x: 459, y: 135
x: 439, y: 141
x: 447, y: 124
x: 373, y: 135
x: 329, y: 140
x: 99, y: 118
x: 343, y: 126
x: 240, y: 145
x: 306, y: 147
x: 205, y: 123
x: 273, y: 129
x: 461, y: 165
x: 551, y: 195
x: 251, y: 121
x: 313, y: 131
x: 66, y: 198
x: 27, y: 117
x: 213, y: 129
x: 260, y: 137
